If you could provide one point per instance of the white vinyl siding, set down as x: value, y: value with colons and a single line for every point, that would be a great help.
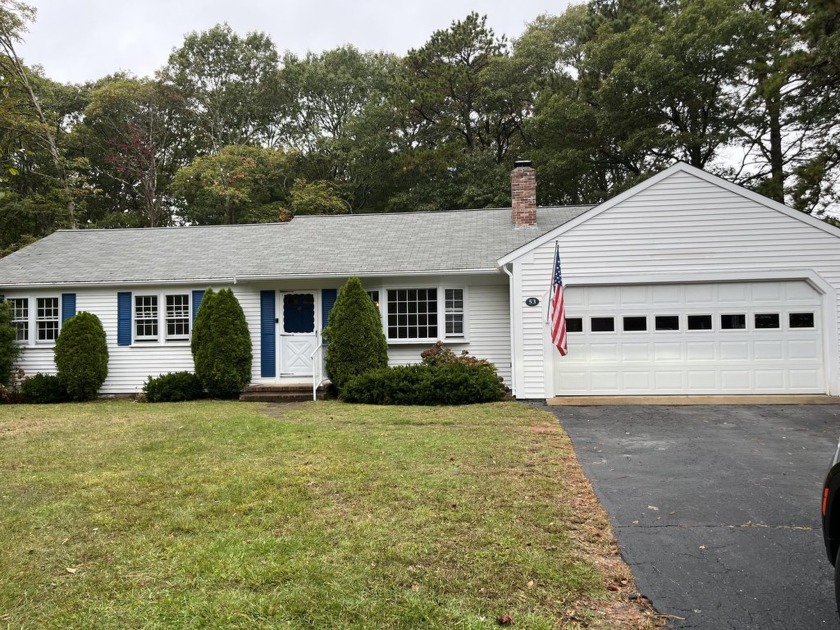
x: 680, y: 229
x: 486, y: 327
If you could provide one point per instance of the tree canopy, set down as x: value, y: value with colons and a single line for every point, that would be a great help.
x: 598, y: 97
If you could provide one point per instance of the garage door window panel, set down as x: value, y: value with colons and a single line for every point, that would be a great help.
x: 574, y: 324
x: 635, y: 323
x: 700, y: 322
x: 801, y: 320
x: 764, y: 321
x: 602, y: 324
x: 667, y: 322
x: 733, y: 322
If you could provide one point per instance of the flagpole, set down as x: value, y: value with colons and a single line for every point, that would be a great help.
x: 551, y: 282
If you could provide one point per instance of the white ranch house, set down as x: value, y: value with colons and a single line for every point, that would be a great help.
x: 684, y: 284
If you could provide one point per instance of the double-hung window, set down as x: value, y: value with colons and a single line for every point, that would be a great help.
x: 47, y: 319
x: 162, y: 317
x: 19, y: 308
x: 178, y: 316
x: 145, y: 317
x: 454, y: 313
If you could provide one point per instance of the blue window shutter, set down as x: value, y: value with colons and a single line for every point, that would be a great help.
x: 268, y: 334
x: 68, y: 306
x: 124, y: 318
x: 197, y: 296
x: 328, y: 297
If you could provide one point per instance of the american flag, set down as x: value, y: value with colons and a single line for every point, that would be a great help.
x: 558, y: 308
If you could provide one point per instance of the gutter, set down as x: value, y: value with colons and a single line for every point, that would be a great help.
x: 251, y: 278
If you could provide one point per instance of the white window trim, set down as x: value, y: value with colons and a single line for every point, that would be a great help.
x: 57, y: 320
x: 144, y: 339
x: 32, y: 319
x: 28, y: 320
x: 162, y: 338
x: 441, y: 312
x: 166, y: 318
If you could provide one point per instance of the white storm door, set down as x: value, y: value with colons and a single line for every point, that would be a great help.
x: 298, y: 333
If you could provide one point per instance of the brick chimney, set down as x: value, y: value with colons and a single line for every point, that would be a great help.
x: 523, y: 193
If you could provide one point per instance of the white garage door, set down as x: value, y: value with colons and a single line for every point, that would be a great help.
x: 725, y: 338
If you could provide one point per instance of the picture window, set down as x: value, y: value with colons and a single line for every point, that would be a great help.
x: 412, y: 314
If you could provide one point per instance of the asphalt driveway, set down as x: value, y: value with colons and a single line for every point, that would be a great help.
x: 716, y: 508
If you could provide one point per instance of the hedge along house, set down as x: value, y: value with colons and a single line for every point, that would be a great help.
x: 683, y: 284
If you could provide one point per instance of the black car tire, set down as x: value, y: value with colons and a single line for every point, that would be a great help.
x: 837, y: 581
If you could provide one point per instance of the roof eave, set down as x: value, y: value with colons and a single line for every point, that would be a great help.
x: 252, y: 278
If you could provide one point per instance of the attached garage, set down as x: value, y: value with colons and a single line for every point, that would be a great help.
x: 684, y: 284
x: 702, y: 338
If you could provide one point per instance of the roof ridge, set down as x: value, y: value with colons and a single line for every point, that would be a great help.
x: 310, y: 217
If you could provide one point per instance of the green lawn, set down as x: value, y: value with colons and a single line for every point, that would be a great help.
x: 322, y: 515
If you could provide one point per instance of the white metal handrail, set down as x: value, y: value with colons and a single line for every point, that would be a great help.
x: 317, y: 366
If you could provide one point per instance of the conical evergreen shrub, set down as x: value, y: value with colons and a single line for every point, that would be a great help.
x: 354, y: 332
x: 221, y: 345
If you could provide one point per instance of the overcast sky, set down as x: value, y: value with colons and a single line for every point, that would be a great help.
x: 80, y: 40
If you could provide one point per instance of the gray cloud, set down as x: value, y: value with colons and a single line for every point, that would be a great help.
x: 84, y: 40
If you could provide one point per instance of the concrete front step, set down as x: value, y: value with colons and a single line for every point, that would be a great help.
x: 280, y: 393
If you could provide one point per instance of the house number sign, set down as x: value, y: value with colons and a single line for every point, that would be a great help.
x: 532, y: 301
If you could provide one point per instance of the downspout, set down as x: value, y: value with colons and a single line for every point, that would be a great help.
x: 509, y: 273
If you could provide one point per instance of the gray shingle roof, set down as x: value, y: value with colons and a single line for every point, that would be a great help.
x: 308, y: 246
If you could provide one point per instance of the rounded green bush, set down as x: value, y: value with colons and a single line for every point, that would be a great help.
x: 81, y: 356
x: 422, y: 384
x: 43, y: 389
x: 173, y: 387
x: 354, y: 332
x: 221, y: 345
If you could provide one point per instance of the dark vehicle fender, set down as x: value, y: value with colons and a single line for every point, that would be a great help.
x: 831, y: 513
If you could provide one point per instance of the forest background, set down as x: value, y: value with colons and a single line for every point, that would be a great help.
x: 231, y: 130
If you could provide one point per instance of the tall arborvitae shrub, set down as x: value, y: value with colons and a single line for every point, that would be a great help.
x: 221, y: 345
x: 354, y: 333
x: 9, y: 350
x: 81, y: 356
